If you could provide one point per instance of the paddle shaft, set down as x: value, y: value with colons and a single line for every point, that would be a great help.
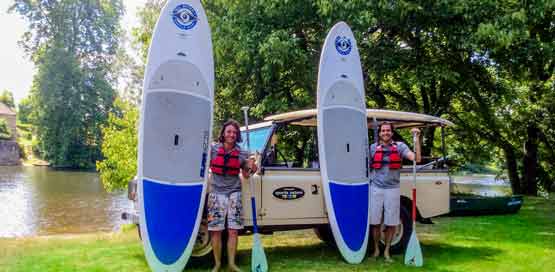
x: 414, y: 181
x: 251, y: 183
x: 375, y: 128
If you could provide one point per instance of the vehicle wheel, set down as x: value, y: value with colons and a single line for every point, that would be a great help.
x: 203, y: 244
x: 325, y: 234
x: 402, y: 233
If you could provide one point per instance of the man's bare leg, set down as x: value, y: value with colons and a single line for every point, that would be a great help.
x: 376, y: 235
x: 216, y: 240
x: 389, y: 232
x: 232, y: 250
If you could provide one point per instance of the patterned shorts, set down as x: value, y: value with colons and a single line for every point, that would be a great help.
x: 220, y: 206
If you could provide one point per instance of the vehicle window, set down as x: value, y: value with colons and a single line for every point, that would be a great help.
x: 293, y: 147
x: 430, y: 147
x: 257, y: 137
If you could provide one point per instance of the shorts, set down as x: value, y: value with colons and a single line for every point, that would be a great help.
x: 386, y: 202
x: 222, y: 205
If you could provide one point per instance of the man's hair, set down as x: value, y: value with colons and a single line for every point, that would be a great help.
x: 387, y: 124
x: 233, y: 123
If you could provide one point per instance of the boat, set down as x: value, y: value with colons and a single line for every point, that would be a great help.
x: 482, y: 195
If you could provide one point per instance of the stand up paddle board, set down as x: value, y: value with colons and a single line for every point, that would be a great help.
x: 343, y: 142
x: 174, y: 134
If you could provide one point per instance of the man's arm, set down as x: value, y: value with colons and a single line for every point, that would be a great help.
x: 248, y: 165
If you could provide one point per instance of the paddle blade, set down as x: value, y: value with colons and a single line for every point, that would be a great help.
x: 413, y: 255
x: 258, y: 258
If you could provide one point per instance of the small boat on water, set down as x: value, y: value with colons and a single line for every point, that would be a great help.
x: 482, y: 194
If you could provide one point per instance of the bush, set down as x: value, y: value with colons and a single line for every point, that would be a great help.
x: 5, y: 133
x: 119, y: 146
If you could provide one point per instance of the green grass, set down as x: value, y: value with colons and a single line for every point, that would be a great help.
x: 520, y: 242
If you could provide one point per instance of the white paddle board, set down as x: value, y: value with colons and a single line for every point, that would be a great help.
x: 174, y: 134
x: 343, y: 142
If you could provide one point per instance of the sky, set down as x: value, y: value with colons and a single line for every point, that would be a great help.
x: 16, y: 70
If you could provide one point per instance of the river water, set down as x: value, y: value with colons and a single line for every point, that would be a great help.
x: 42, y: 201
x: 481, y: 185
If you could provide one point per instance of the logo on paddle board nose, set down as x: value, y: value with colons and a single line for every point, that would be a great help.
x: 184, y: 16
x: 343, y: 45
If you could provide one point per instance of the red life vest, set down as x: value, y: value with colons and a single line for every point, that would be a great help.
x: 395, y: 161
x: 226, y: 164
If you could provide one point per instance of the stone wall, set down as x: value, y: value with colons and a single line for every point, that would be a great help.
x: 9, y: 153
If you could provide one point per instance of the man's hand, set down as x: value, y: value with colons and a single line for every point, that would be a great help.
x: 415, y: 131
x: 416, y: 155
x: 252, y: 165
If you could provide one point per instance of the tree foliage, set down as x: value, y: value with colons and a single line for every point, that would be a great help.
x: 6, y: 97
x: 119, y: 147
x: 73, y: 44
x: 486, y: 65
x: 5, y: 133
x: 509, y: 102
x: 24, y: 110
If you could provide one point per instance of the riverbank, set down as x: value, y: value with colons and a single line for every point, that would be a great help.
x: 519, y: 242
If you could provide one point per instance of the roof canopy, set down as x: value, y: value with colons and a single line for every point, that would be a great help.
x: 400, y: 119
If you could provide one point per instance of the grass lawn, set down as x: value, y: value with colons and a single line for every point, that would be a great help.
x: 520, y: 242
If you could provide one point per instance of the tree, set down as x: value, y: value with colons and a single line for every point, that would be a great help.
x: 5, y: 133
x: 513, y: 89
x: 487, y: 65
x: 119, y: 147
x: 24, y: 109
x: 73, y: 44
x: 519, y: 39
x: 6, y: 97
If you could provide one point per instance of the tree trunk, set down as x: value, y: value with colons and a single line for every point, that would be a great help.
x: 530, y: 160
x: 428, y: 144
x: 512, y: 169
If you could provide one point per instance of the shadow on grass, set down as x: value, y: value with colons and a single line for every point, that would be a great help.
x: 326, y: 258
x: 277, y: 256
x: 458, y: 254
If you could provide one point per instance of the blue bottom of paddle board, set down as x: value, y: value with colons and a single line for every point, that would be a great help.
x: 170, y: 214
x: 350, y: 205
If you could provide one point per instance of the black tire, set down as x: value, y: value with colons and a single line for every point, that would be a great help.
x: 203, y: 243
x: 401, y: 237
x: 406, y: 223
x: 324, y: 233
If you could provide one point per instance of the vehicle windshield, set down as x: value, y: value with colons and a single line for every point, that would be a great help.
x: 257, y: 137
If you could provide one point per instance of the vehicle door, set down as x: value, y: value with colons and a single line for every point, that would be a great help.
x: 291, y: 187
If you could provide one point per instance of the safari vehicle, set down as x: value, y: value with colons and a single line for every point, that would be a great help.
x: 288, y: 185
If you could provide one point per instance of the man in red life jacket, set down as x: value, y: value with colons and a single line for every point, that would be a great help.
x: 386, y: 163
x: 224, y: 201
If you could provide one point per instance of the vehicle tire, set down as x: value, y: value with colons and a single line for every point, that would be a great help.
x: 324, y: 233
x: 401, y: 236
x: 203, y: 245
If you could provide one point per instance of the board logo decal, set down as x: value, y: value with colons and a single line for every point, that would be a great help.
x: 288, y: 193
x: 184, y: 16
x: 204, y: 154
x: 343, y: 45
